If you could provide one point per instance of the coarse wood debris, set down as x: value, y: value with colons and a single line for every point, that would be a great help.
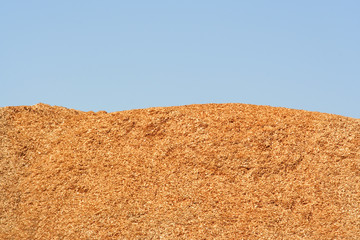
x: 212, y: 171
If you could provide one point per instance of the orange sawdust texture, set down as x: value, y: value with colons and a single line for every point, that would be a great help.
x: 213, y: 171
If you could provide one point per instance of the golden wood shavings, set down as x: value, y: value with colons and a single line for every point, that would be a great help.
x: 213, y: 171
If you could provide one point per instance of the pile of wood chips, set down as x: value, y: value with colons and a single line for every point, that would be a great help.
x: 213, y: 171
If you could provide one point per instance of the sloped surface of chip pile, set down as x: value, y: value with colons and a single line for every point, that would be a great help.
x: 213, y: 171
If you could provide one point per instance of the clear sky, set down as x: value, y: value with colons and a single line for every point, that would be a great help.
x: 117, y: 55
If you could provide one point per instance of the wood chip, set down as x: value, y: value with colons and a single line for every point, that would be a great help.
x: 213, y: 171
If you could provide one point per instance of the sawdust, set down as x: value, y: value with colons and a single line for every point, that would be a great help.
x: 214, y: 171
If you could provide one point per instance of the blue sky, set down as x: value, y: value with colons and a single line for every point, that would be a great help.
x: 120, y: 55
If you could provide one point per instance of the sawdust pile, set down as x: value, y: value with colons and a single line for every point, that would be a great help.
x: 214, y: 171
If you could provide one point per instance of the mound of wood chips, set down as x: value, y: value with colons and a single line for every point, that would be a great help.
x: 213, y: 171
